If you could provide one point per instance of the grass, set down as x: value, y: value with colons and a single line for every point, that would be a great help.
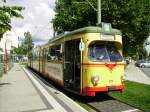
x: 135, y: 94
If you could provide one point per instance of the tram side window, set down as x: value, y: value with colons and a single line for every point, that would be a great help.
x: 33, y: 56
x: 36, y: 56
x: 54, y: 53
x: 46, y: 55
x: 1, y: 59
x: 30, y: 56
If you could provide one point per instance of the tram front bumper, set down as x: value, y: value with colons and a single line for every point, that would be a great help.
x: 91, y: 91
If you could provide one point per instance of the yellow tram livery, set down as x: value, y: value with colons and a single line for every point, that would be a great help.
x: 86, y: 61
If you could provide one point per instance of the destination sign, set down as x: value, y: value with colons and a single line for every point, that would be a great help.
x: 107, y: 37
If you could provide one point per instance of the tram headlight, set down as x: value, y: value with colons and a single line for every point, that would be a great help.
x: 95, y: 80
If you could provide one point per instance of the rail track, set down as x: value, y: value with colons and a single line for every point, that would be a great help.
x: 108, y: 104
x: 100, y: 103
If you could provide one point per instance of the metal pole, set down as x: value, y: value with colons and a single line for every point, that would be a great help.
x: 6, y: 54
x: 5, y: 57
x: 18, y: 42
x: 98, y: 12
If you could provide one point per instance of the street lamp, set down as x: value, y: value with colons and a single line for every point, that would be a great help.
x: 6, y: 54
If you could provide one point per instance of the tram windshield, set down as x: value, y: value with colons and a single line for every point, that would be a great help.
x: 104, y: 53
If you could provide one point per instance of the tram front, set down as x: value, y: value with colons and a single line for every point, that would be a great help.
x: 102, y: 63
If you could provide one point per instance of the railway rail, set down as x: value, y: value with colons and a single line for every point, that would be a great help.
x: 100, y: 103
x: 112, y: 105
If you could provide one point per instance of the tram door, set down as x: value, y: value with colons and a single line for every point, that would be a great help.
x: 72, y: 65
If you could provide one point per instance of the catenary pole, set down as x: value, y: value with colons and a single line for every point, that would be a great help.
x: 98, y: 12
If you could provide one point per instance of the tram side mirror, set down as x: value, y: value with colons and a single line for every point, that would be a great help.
x: 61, y: 48
x: 81, y: 45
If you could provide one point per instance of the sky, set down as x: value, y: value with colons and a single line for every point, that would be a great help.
x: 37, y: 20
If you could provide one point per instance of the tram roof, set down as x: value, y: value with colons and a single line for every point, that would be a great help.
x: 90, y: 29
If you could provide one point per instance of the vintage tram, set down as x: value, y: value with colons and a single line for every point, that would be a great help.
x: 86, y: 61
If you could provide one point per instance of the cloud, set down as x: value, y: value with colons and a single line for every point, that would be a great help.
x: 37, y: 19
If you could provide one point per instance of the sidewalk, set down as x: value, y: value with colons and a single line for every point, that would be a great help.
x: 18, y: 93
x: 133, y: 73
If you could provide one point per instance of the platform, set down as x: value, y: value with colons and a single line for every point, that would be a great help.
x: 21, y: 92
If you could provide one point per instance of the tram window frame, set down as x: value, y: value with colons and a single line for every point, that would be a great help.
x: 30, y: 56
x: 33, y: 56
x: 104, y: 57
x: 54, y: 53
x: 1, y: 58
x: 36, y: 56
x: 46, y: 53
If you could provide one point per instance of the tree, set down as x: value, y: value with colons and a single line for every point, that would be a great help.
x: 19, y: 51
x: 70, y: 15
x: 129, y: 16
x: 28, y: 41
x: 25, y: 46
x: 1, y: 49
x: 133, y: 19
x: 6, y: 13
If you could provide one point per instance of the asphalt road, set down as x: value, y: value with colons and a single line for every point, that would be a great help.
x: 146, y: 71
